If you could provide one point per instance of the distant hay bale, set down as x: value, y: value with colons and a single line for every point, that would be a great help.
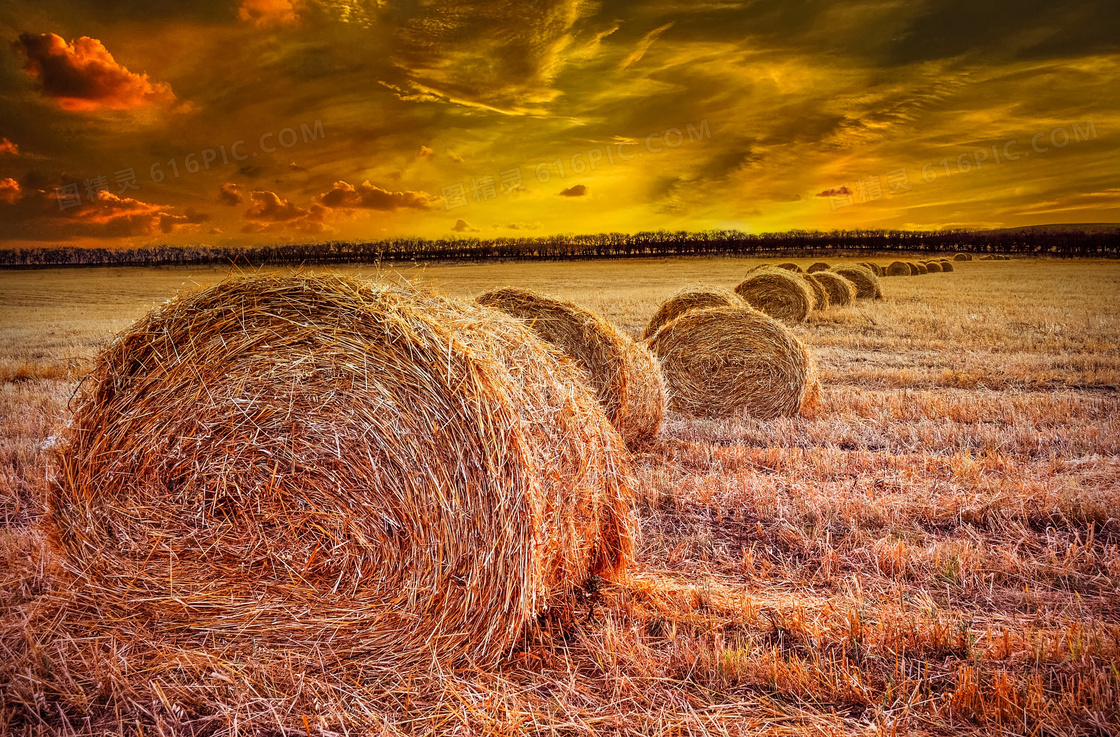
x: 690, y: 299
x: 866, y: 283
x: 818, y: 266
x: 919, y: 267
x: 986, y: 257
x: 899, y: 268
x: 946, y: 264
x: 724, y: 361
x: 820, y: 294
x: 313, y: 467
x: 790, y: 266
x: 932, y: 267
x: 872, y: 267
x: 841, y: 291
x: 780, y: 295
x: 623, y: 373
x: 962, y: 257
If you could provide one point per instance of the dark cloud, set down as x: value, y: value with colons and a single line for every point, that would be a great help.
x: 842, y: 191
x: 267, y: 13
x: 83, y: 76
x: 230, y: 194
x: 576, y: 190
x: 366, y: 196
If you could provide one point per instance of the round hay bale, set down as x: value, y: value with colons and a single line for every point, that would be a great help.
x: 866, y: 283
x: 932, y: 267
x: 312, y: 467
x: 919, y: 267
x: 724, y: 361
x: 820, y: 295
x: 986, y: 257
x: 841, y: 291
x: 872, y: 267
x: 962, y: 257
x: 623, y: 373
x: 690, y: 299
x: 790, y: 266
x: 778, y: 294
x: 818, y: 266
x: 899, y: 268
x: 946, y: 265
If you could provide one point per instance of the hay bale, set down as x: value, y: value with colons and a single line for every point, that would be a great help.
x: 946, y: 264
x: 962, y: 257
x: 820, y: 295
x: 690, y: 299
x: 932, y: 267
x: 790, y: 266
x: 310, y: 467
x: 818, y: 266
x: 919, y: 267
x: 779, y: 294
x: 866, y: 283
x: 841, y: 291
x: 899, y: 268
x: 986, y: 257
x: 623, y: 373
x: 872, y: 267
x: 724, y: 361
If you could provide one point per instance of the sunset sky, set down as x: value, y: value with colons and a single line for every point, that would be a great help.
x: 138, y: 122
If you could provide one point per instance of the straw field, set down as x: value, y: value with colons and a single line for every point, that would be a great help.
x: 934, y: 549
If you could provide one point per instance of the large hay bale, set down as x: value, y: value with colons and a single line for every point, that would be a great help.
x: 820, y: 295
x: 693, y: 298
x: 867, y: 284
x: 311, y: 467
x: 790, y: 266
x: 946, y: 264
x: 818, y: 266
x: 841, y: 291
x: 623, y: 373
x: 932, y: 267
x: 962, y: 257
x: 781, y: 295
x: 728, y: 360
x: 899, y: 268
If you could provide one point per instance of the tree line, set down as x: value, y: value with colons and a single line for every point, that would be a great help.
x: 1100, y: 243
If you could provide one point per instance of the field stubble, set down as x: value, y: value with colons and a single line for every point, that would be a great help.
x: 936, y: 548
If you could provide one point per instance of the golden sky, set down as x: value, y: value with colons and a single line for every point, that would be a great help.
x: 139, y: 122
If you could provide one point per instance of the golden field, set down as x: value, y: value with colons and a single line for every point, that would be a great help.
x: 935, y: 549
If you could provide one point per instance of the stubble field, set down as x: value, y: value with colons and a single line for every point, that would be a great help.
x: 935, y: 549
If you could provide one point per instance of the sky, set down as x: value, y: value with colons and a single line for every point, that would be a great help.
x: 144, y: 122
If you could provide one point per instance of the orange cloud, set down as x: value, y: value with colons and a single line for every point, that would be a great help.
x: 462, y: 226
x: 83, y: 76
x: 110, y: 215
x: 267, y: 12
x: 272, y: 213
x: 425, y: 152
x: 7, y: 147
x: 577, y: 190
x: 230, y: 194
x: 9, y: 191
x: 366, y: 196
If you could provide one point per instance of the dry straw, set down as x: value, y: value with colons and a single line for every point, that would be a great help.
x: 779, y: 294
x: 623, y: 373
x: 818, y: 266
x: 866, y: 283
x: 313, y: 468
x: 820, y: 294
x: 841, y: 291
x: 899, y: 268
x: 693, y: 298
x: 729, y: 360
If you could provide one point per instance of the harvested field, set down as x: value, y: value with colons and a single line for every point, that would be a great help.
x: 933, y: 550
